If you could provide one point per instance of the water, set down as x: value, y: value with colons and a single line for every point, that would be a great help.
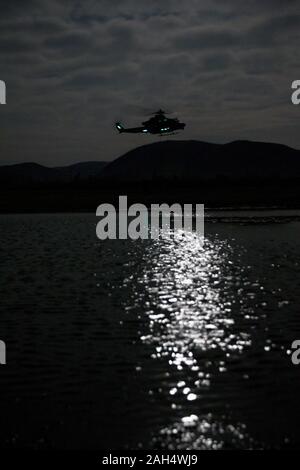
x: 149, y: 344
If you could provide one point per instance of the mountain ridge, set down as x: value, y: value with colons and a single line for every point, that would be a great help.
x: 170, y: 160
x: 201, y: 161
x: 32, y: 173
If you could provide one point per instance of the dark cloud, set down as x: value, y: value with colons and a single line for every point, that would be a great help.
x: 71, y: 42
x: 74, y: 67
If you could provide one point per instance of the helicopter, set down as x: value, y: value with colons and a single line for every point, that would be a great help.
x: 158, y: 124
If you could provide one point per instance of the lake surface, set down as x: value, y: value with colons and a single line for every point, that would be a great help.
x: 149, y: 344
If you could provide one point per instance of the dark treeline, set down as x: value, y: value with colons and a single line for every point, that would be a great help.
x: 86, y: 198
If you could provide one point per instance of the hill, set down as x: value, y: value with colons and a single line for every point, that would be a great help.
x: 201, y: 161
x: 241, y: 173
x: 32, y: 174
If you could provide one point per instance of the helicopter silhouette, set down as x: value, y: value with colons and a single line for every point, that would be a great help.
x: 159, y: 124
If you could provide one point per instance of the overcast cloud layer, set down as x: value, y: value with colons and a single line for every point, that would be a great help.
x: 73, y: 68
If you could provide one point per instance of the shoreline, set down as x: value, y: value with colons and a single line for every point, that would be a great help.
x: 212, y: 215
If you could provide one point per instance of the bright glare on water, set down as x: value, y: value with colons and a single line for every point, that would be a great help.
x: 188, y: 299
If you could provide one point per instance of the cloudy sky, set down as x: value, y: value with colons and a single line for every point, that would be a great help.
x: 72, y: 68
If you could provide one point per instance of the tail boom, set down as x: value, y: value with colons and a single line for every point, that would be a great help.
x: 131, y: 130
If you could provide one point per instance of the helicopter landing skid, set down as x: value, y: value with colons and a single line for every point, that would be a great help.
x: 172, y: 133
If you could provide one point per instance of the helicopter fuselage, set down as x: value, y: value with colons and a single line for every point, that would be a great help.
x: 156, y: 125
x: 151, y: 129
